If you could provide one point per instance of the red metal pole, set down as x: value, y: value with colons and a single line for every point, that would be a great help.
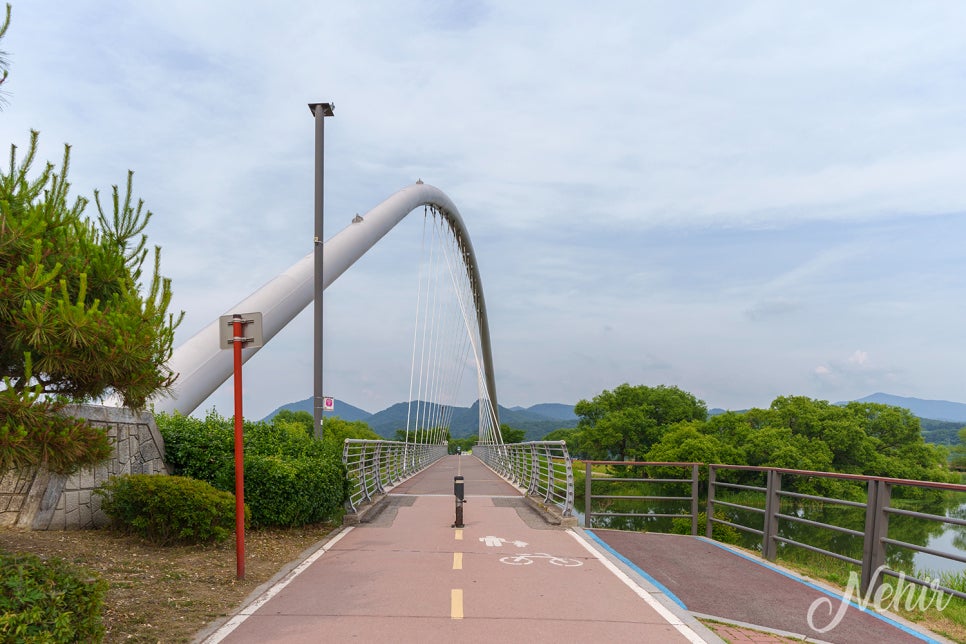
x: 239, y: 451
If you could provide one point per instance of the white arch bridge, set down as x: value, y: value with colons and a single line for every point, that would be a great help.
x: 451, y: 337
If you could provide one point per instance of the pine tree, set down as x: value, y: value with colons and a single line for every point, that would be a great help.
x: 76, y: 322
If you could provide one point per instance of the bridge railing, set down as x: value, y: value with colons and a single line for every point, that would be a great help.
x: 374, y: 465
x: 845, y: 517
x: 542, y: 468
x: 869, y: 524
x: 659, y: 479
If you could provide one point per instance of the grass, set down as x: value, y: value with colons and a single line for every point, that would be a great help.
x: 949, y: 621
x: 168, y: 594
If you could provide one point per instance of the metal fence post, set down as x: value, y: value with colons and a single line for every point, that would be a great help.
x: 876, y: 528
x: 694, y: 499
x: 551, y: 478
x: 772, y: 507
x: 534, y: 471
x: 588, y: 470
x: 709, y: 506
x: 379, y: 468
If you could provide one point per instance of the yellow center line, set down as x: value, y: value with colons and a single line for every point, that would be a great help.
x: 459, y: 534
x: 456, y: 603
x: 457, y: 561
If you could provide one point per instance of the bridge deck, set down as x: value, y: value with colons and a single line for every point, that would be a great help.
x: 408, y: 575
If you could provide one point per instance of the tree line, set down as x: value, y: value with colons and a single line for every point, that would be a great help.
x: 666, y: 424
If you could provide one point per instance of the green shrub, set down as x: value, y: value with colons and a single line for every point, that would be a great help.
x: 200, y: 449
x: 285, y: 439
x: 719, y: 531
x: 289, y: 492
x: 169, y: 509
x: 291, y: 478
x: 42, y: 602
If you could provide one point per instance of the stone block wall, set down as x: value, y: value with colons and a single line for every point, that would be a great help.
x: 40, y: 500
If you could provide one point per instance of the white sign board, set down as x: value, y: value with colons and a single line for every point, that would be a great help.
x: 251, y: 331
x: 328, y: 404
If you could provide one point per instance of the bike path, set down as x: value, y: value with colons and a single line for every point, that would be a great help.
x: 713, y: 580
x: 410, y: 576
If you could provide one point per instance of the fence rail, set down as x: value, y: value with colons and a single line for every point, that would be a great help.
x: 875, y: 534
x: 542, y: 468
x: 691, y: 471
x: 374, y: 465
x: 731, y: 502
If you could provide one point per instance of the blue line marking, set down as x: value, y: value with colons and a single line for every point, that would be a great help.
x: 630, y: 564
x: 830, y: 593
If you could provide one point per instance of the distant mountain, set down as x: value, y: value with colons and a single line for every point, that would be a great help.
x: 933, y: 409
x: 342, y: 410
x: 537, y: 421
x: 941, y: 420
x: 940, y: 432
x: 555, y: 411
x: 465, y: 420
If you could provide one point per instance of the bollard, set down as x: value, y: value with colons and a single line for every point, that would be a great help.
x: 458, y: 491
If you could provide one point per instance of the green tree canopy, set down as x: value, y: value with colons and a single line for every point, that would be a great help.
x: 958, y: 452
x: 626, y: 422
x: 76, y: 321
x: 687, y: 443
x: 512, y: 435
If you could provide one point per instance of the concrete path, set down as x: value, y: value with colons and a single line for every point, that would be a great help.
x: 409, y: 576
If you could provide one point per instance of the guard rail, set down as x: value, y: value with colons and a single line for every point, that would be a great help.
x: 374, y: 465
x: 542, y: 468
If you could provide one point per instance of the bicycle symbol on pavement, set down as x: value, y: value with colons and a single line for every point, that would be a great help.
x: 526, y: 559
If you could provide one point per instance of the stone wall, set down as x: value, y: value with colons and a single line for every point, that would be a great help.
x: 40, y: 500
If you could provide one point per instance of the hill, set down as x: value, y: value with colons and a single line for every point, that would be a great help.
x: 345, y: 411
x: 465, y: 420
x: 941, y: 419
x: 935, y: 409
x: 555, y: 411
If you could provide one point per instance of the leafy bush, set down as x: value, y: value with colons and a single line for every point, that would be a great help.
x: 48, y: 601
x: 200, y: 449
x: 291, y: 478
x: 289, y: 492
x: 169, y: 509
x: 719, y: 531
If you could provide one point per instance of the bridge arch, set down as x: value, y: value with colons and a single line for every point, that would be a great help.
x: 203, y: 367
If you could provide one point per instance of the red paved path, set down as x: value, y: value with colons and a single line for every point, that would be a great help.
x: 713, y: 580
x: 409, y: 576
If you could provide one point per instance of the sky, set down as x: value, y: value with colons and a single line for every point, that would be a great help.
x: 742, y: 199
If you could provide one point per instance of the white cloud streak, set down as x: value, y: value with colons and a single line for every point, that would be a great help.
x: 718, y: 196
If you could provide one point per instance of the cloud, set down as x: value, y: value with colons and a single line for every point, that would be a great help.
x: 737, y: 192
x: 856, y: 372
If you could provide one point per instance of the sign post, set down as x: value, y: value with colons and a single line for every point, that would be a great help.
x: 236, y: 331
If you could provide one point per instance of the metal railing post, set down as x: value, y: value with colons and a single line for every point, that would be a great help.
x: 876, y: 529
x: 379, y: 468
x: 534, y: 470
x: 694, y: 499
x: 769, y: 547
x: 550, y: 472
x: 709, y: 506
x: 588, y: 497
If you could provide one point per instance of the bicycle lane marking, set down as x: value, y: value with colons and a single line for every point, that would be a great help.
x: 659, y: 608
x: 526, y: 558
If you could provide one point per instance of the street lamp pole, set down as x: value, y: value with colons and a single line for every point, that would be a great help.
x: 319, y: 111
